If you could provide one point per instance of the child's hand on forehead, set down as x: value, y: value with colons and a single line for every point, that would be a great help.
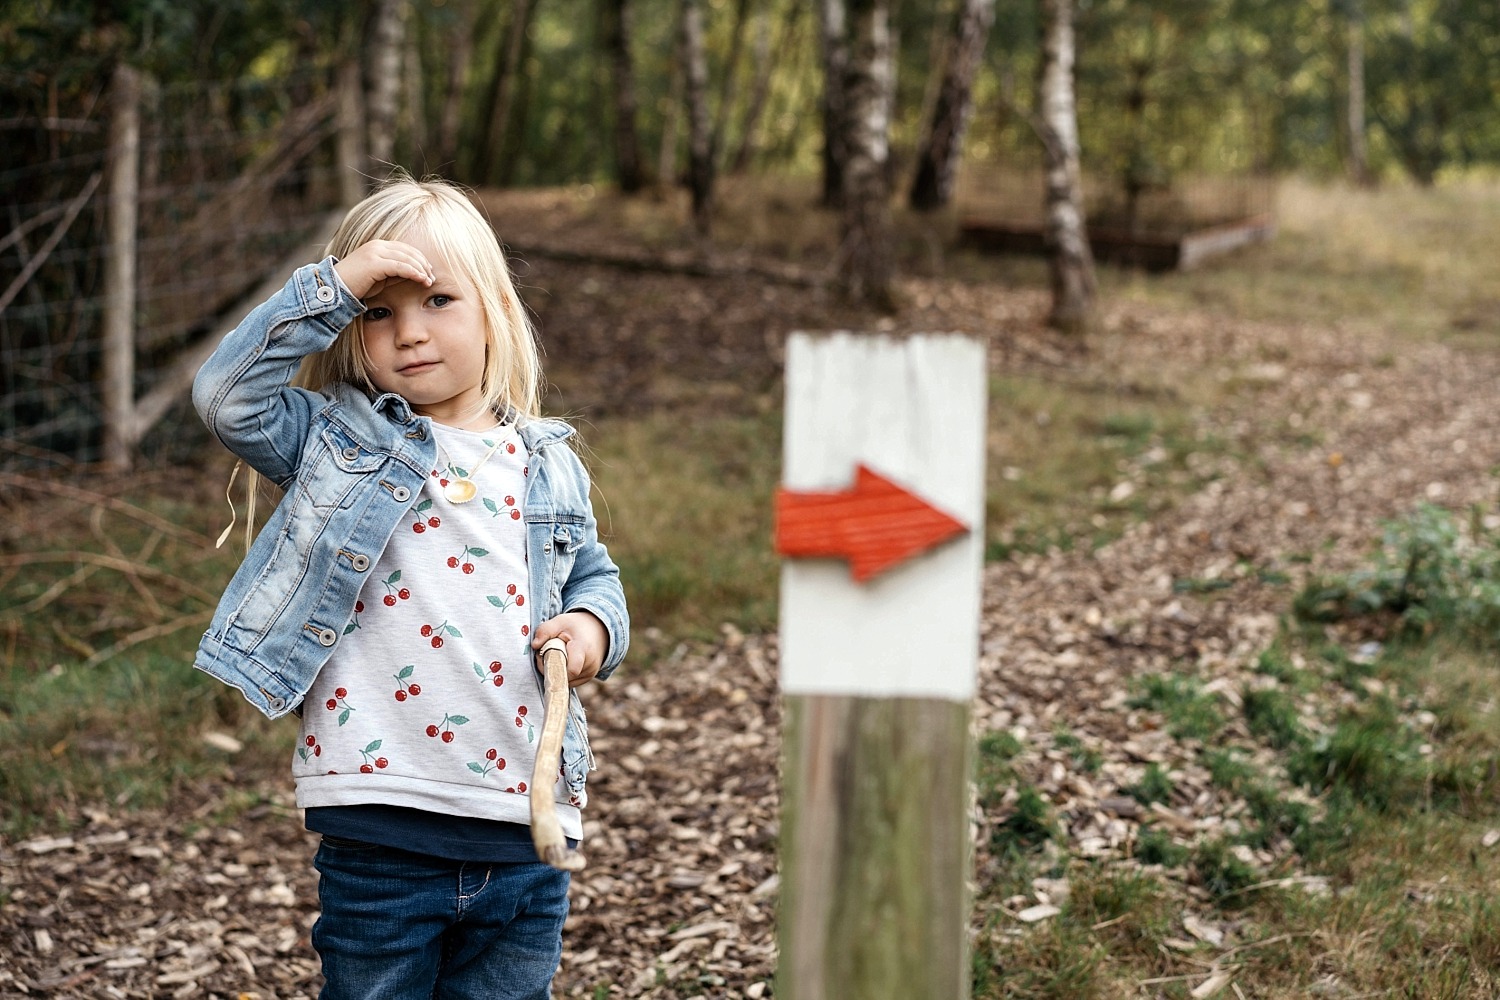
x: 373, y: 265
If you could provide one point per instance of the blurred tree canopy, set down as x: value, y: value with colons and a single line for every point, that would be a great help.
x: 1164, y: 86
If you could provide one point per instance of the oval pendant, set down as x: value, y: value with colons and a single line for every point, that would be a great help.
x: 460, y: 491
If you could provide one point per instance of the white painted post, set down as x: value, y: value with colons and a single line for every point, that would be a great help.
x: 879, y: 674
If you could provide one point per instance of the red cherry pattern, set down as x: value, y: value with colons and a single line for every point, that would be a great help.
x: 371, y: 762
x: 310, y: 748
x: 435, y: 633
x: 338, y: 704
x: 404, y: 688
x: 491, y: 764
x: 444, y: 730
x: 424, y: 519
x: 490, y: 674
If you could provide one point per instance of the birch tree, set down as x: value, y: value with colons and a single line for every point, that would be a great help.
x: 1359, y: 163
x: 383, y: 79
x: 940, y: 148
x: 866, y: 262
x: 1071, y: 263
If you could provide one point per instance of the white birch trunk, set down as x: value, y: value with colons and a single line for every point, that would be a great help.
x: 383, y: 82
x: 867, y: 265
x: 1070, y: 260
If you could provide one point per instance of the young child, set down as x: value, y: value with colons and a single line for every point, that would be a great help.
x: 435, y: 529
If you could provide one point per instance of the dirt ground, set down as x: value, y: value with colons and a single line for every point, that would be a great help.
x: 1331, y: 433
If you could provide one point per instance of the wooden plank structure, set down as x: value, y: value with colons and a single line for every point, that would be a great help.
x: 1151, y: 251
x: 880, y: 516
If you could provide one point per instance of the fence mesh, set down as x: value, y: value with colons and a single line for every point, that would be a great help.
x: 232, y: 177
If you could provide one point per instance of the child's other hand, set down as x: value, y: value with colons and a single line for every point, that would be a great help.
x: 371, y: 266
x: 587, y: 643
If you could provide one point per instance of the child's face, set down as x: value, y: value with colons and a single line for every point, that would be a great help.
x: 427, y: 343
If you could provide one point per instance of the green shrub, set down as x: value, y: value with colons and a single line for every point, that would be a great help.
x: 1430, y: 571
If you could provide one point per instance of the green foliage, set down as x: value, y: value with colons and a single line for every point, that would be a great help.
x: 1190, y: 713
x: 1221, y: 874
x: 1155, y: 786
x: 1156, y: 847
x: 1271, y: 714
x: 1371, y: 755
x: 1430, y: 572
x: 1029, y: 826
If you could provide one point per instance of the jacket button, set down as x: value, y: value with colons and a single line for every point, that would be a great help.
x: 350, y: 454
x: 401, y: 493
x: 275, y: 704
x: 547, y: 547
x: 327, y: 637
x: 361, y: 562
x: 325, y: 294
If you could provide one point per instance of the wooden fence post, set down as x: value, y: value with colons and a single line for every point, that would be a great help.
x: 878, y: 663
x: 120, y: 269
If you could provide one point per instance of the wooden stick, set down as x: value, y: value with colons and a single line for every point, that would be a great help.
x: 546, y: 831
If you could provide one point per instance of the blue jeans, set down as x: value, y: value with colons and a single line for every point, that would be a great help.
x: 398, y: 925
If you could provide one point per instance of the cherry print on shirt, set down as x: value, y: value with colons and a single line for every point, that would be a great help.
x: 424, y: 520
x: 524, y: 723
x: 490, y: 674
x: 444, y: 730
x: 338, y: 702
x: 496, y: 509
x: 359, y: 609
x: 372, y: 761
x: 462, y: 561
x: 512, y: 597
x: 310, y: 748
x: 492, y: 763
x: 436, y: 633
x: 404, y: 688
x: 394, y: 593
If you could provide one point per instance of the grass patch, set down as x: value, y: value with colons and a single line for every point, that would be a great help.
x: 1190, y: 713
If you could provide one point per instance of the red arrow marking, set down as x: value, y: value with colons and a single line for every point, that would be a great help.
x: 875, y: 525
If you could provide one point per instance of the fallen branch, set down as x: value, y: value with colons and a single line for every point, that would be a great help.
x: 110, y: 562
x: 146, y: 635
x: 678, y: 262
x: 92, y: 498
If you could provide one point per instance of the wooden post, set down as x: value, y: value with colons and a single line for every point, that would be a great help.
x: 878, y: 663
x: 119, y: 275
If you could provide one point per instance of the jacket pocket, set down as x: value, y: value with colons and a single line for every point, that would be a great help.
x: 340, y: 466
x: 577, y: 755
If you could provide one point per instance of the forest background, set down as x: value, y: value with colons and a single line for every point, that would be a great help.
x: 1238, y: 792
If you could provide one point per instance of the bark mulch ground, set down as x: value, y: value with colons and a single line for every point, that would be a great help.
x: 1326, y: 440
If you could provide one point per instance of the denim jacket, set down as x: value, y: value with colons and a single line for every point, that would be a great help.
x: 350, y: 469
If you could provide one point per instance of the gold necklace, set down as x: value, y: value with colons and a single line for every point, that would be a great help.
x: 461, y: 488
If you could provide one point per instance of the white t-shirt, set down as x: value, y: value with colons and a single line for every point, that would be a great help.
x: 430, y: 700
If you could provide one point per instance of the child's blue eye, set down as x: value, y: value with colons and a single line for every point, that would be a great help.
x: 377, y: 312
x: 440, y: 300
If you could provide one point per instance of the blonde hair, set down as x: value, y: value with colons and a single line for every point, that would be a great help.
x: 511, y: 381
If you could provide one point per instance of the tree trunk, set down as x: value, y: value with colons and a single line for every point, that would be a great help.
x: 700, y: 139
x: 460, y: 45
x: 491, y: 141
x: 383, y: 82
x: 940, y: 149
x: 835, y: 47
x: 1070, y: 261
x: 622, y: 75
x: 761, y: 87
x: 1359, y: 166
x: 414, y: 118
x: 867, y: 264
x: 728, y: 84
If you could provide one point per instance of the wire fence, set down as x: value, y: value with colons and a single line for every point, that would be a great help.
x: 232, y: 176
